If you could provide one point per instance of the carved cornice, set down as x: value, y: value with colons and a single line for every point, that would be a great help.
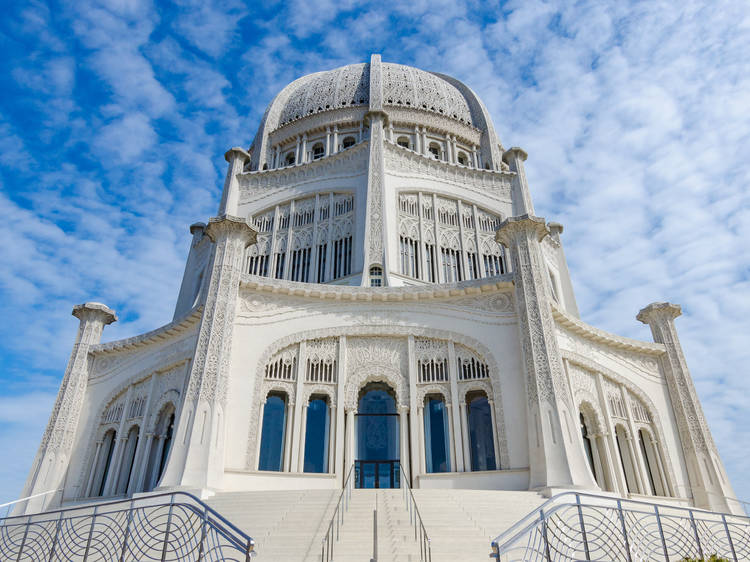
x: 90, y: 310
x: 227, y: 225
x: 503, y: 283
x: 155, y: 336
x: 659, y: 311
x: 401, y: 161
x: 600, y: 336
x: 515, y: 226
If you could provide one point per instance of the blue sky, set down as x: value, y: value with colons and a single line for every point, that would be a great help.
x: 114, y: 117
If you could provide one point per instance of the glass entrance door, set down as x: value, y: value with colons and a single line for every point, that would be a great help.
x: 377, y: 464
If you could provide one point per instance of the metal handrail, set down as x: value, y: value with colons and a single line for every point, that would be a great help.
x: 27, y: 498
x: 575, y: 525
x: 342, y: 505
x: 420, y: 532
x: 144, y: 528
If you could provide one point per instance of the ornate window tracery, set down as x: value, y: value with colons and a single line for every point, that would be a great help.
x: 305, y: 240
x: 444, y: 240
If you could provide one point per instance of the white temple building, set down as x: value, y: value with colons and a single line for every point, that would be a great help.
x: 376, y: 293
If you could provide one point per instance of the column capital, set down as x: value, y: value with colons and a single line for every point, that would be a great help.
x: 228, y: 225
x: 514, y: 152
x: 236, y: 152
x: 659, y: 312
x: 511, y: 227
x: 94, y: 311
x: 403, y: 409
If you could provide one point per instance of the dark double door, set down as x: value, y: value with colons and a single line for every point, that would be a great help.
x: 377, y: 474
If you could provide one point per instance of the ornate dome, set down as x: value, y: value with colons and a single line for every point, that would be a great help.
x: 403, y: 86
x: 346, y: 94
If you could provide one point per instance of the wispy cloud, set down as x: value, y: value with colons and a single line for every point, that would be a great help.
x: 115, y: 116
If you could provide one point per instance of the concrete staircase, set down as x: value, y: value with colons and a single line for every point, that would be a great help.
x: 288, y: 526
x: 462, y: 523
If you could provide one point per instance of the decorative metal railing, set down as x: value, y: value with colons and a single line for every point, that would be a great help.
x: 166, y: 527
x: 420, y: 533
x: 575, y: 526
x: 23, y: 502
x: 337, y: 519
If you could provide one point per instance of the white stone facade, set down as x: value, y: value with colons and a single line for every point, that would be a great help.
x: 377, y: 232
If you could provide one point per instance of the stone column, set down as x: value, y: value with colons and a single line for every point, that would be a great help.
x: 422, y: 445
x: 465, y: 435
x: 141, y: 451
x: 300, y: 407
x: 302, y: 436
x: 404, y: 437
x: 350, y: 421
x: 553, y: 460
x: 455, y: 401
x: 413, y: 415
x: 341, y: 468
x: 230, y: 197
x: 51, y: 461
x: 198, y: 460
x: 288, y: 437
x: 520, y: 194
x: 331, y: 439
x: 710, y: 490
x: 335, y: 147
x: 138, y: 486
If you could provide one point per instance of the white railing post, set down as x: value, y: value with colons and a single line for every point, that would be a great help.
x: 583, y: 528
x: 661, y: 533
x: 695, y: 533
x: 729, y: 536
x: 624, y: 530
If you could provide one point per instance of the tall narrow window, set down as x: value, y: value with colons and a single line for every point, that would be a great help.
x: 651, y: 461
x: 166, y: 446
x: 625, y: 452
x: 493, y: 265
x: 587, y: 445
x: 318, y: 151
x: 409, y: 257
x: 301, y: 265
x: 105, y: 463
x: 473, y: 271
x: 436, y: 434
x: 348, y: 141
x: 316, y: 436
x: 126, y: 464
x: 481, y: 432
x: 430, y: 263
x: 322, y: 249
x: 451, y: 265
x: 273, y: 433
x: 342, y: 257
x: 280, y: 259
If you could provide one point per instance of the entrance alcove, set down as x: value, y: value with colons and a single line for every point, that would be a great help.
x: 377, y: 453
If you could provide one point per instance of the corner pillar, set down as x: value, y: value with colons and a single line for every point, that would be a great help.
x: 51, y: 461
x: 519, y: 187
x: 230, y: 197
x: 554, y: 461
x: 706, y: 476
x: 197, y: 459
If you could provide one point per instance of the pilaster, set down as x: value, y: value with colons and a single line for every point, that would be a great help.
x: 375, y: 247
x: 553, y: 459
x: 197, y: 457
x: 51, y: 461
x: 706, y: 475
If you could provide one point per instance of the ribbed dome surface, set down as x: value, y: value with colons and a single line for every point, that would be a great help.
x: 403, y: 86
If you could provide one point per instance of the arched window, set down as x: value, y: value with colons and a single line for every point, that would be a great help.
x: 626, y: 458
x: 436, y: 434
x: 403, y: 141
x: 481, y: 432
x: 126, y: 465
x: 273, y: 433
x: 463, y: 159
x: 347, y: 142
x: 651, y: 460
x: 289, y: 158
x: 376, y: 276
x: 161, y: 444
x: 317, y: 429
x: 588, y: 445
x: 377, y: 424
x: 103, y: 463
x: 435, y: 149
x: 318, y: 150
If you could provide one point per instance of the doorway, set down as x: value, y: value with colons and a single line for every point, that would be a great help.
x: 377, y: 463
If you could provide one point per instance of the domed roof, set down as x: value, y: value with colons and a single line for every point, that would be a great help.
x: 398, y: 87
x: 403, y: 86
